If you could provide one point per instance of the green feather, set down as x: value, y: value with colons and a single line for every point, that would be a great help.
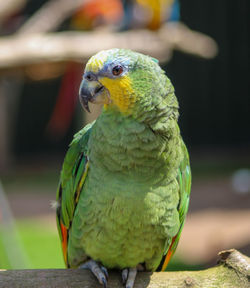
x: 72, y: 171
x: 184, y: 178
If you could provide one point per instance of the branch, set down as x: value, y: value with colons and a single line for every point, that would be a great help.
x: 74, y: 46
x: 190, y: 41
x: 50, y: 16
x: 233, y: 271
x: 79, y: 46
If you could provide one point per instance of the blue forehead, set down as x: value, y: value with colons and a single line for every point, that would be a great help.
x: 106, y: 70
x: 103, y: 62
x: 111, y: 63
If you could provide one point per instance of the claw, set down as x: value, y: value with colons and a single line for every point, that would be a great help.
x: 104, y: 282
x: 128, y: 277
x: 100, y: 272
x: 105, y: 271
x: 124, y: 276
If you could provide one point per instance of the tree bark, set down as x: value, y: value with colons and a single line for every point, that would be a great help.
x: 232, y: 271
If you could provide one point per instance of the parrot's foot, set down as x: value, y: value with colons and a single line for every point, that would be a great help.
x: 99, y: 271
x: 128, y: 277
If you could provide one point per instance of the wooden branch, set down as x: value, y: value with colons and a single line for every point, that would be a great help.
x: 233, y: 271
x: 74, y: 46
x: 50, y: 16
x: 189, y: 41
x: 79, y: 46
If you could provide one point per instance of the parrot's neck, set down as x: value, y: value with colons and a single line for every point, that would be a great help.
x: 121, y: 144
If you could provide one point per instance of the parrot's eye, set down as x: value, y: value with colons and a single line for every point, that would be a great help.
x: 117, y: 70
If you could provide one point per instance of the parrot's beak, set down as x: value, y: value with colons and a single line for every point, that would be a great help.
x: 94, y: 92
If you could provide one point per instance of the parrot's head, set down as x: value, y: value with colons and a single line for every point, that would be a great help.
x: 128, y: 82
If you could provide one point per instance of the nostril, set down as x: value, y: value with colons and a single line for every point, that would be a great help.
x: 98, y: 89
x: 90, y: 77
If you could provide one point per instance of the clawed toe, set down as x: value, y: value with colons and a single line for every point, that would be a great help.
x: 99, y: 271
x: 105, y: 271
x: 124, y: 276
x: 128, y: 277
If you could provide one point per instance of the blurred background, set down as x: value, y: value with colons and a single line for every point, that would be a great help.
x: 204, y: 47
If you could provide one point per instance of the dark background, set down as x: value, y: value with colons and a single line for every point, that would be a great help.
x: 215, y: 95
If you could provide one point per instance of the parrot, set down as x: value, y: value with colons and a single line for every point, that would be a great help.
x: 124, y: 187
x: 150, y: 14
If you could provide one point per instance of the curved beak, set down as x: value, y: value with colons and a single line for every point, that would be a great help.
x: 94, y: 92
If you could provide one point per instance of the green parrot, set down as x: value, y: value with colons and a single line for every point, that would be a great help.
x: 124, y: 189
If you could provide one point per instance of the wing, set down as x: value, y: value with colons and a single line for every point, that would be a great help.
x: 73, y: 175
x: 184, y: 180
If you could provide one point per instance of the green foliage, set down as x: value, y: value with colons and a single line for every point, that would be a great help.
x: 41, y: 244
x: 4, y: 261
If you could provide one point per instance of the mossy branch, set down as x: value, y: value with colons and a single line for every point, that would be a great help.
x: 232, y: 271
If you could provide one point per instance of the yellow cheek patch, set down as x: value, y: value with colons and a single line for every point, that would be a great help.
x: 95, y: 63
x: 121, y: 93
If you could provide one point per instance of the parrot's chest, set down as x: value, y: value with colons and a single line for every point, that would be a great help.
x: 122, y: 224
x: 127, y: 209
